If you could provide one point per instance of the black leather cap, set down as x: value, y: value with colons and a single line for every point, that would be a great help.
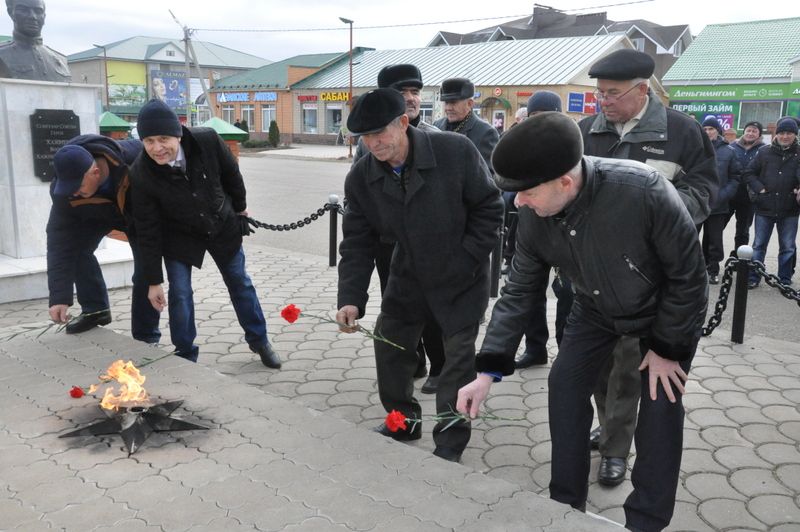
x: 375, y: 110
x: 542, y: 148
x: 399, y: 76
x: 623, y: 65
x: 455, y: 89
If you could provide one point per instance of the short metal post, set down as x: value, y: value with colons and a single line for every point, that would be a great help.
x: 333, y: 201
x: 744, y: 253
x: 497, y: 258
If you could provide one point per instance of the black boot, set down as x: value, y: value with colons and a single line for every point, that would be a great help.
x: 268, y: 357
x: 84, y: 321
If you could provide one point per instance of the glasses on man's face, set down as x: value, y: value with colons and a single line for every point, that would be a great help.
x: 611, y: 98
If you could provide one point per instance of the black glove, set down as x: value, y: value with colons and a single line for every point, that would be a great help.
x: 244, y: 224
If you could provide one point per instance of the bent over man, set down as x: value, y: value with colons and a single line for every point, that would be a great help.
x: 611, y: 226
x: 431, y: 193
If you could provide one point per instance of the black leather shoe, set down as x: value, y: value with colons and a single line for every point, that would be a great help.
x: 713, y: 279
x: 528, y: 359
x: 447, y: 453
x: 84, y: 322
x: 430, y: 385
x: 401, y: 435
x: 752, y: 284
x: 268, y: 357
x: 594, y: 438
x: 612, y: 471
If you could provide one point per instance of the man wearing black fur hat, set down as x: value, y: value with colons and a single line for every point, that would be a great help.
x: 190, y: 199
x: 432, y: 194
x: 611, y: 226
x: 407, y: 79
x: 457, y: 95
x: 91, y: 197
x: 634, y: 124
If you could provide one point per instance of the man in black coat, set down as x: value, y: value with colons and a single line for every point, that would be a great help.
x: 612, y: 227
x: 91, y: 197
x: 634, y: 124
x: 457, y: 95
x: 431, y: 193
x: 191, y: 200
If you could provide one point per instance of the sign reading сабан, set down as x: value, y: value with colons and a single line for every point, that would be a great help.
x: 51, y: 129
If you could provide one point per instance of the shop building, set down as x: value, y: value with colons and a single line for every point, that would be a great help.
x: 738, y: 74
x: 504, y: 73
x: 262, y: 95
x: 136, y: 69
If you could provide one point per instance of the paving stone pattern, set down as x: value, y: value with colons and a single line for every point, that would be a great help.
x: 741, y: 464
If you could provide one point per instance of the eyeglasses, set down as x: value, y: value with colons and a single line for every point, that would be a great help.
x: 601, y: 96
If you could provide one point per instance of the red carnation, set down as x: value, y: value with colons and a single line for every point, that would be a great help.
x: 395, y: 421
x: 76, y: 392
x: 290, y: 313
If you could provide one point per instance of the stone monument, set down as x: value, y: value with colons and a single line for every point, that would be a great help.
x: 26, y: 57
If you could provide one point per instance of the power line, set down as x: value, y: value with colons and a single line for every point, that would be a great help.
x: 231, y: 30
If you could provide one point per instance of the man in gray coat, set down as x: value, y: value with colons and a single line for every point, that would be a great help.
x: 431, y: 193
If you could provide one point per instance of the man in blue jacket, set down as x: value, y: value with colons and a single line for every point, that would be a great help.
x: 91, y: 197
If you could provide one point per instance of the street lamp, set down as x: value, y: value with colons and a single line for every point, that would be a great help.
x: 105, y: 72
x: 350, y: 94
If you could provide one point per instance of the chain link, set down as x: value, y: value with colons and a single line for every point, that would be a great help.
x: 300, y: 223
x: 725, y: 289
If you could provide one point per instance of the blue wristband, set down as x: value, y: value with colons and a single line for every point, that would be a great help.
x: 497, y: 377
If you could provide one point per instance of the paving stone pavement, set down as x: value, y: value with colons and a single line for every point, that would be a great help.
x: 741, y: 464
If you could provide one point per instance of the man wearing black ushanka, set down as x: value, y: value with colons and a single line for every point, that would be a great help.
x: 432, y: 194
x: 611, y: 227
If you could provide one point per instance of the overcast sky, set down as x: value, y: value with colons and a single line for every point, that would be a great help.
x: 74, y: 25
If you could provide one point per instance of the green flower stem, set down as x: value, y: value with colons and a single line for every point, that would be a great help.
x: 366, y: 332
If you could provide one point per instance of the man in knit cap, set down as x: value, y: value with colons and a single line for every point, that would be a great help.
x: 190, y: 199
x: 583, y: 214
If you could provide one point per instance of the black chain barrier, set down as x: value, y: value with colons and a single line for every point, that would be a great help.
x: 338, y: 208
x: 727, y: 281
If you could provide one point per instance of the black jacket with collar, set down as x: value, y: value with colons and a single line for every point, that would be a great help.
x: 777, y: 172
x: 480, y: 132
x: 669, y: 141
x: 729, y: 171
x: 632, y: 253
x: 181, y: 215
x: 76, y: 224
x: 445, y: 226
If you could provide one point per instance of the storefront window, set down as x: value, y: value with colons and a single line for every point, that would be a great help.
x: 426, y: 113
x: 333, y: 118
x: 310, y: 118
x: 764, y: 112
x: 267, y: 116
x: 227, y: 114
x: 249, y: 114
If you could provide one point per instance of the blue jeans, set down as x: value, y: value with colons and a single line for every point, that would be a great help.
x: 180, y: 302
x: 787, y: 246
x: 92, y: 293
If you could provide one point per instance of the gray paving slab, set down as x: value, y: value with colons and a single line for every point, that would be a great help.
x: 265, y: 462
x: 740, y: 467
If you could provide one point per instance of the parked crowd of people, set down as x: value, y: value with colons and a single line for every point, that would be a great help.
x: 609, y: 212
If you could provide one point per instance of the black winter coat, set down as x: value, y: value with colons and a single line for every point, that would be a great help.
x: 670, y: 142
x: 776, y: 172
x: 445, y: 226
x: 480, y: 132
x: 729, y: 171
x: 76, y: 224
x: 181, y: 215
x: 632, y: 253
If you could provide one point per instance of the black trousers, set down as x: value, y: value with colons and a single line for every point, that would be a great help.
x: 713, y: 248
x: 742, y: 207
x: 431, y: 342
x: 586, y: 347
x: 396, y: 369
x: 536, y: 331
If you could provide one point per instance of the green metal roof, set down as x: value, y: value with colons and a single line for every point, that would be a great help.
x: 225, y: 130
x: 111, y: 122
x: 752, y: 51
x: 4, y: 38
x: 274, y: 75
x: 142, y: 48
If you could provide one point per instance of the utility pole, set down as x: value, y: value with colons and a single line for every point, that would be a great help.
x: 190, y: 54
x: 350, y: 91
x: 105, y: 74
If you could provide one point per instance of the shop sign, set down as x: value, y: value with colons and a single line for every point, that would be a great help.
x: 307, y: 98
x: 524, y: 94
x: 589, y: 103
x: 265, y: 97
x: 227, y: 97
x: 334, y: 96
x: 767, y: 91
x: 726, y: 112
x: 575, y: 102
x: 476, y: 96
x: 498, y: 91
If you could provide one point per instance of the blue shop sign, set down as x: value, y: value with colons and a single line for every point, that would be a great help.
x: 265, y: 97
x: 225, y: 97
x: 575, y: 102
